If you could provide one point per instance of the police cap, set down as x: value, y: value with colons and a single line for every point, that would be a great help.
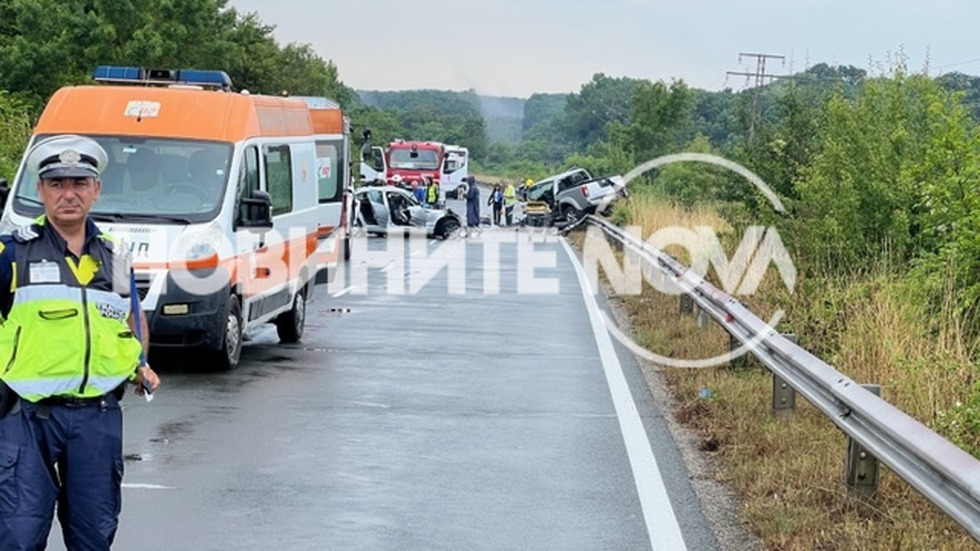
x: 67, y: 156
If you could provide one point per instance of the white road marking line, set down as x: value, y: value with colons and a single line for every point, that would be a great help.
x: 662, y: 527
x: 343, y: 291
x: 139, y: 486
x: 371, y: 405
x: 388, y: 265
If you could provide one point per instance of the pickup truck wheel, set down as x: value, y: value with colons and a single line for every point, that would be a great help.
x: 290, y: 325
x: 570, y: 214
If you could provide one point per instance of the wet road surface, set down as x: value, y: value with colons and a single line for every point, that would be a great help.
x: 430, y: 406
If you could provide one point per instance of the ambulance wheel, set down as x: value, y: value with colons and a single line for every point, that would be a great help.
x: 231, y: 345
x: 290, y: 325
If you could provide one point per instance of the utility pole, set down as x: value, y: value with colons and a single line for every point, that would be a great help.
x: 760, y: 79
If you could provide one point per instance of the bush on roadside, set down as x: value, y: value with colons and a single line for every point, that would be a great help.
x: 15, y: 131
x: 960, y: 424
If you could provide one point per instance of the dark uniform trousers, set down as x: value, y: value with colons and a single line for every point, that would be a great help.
x: 36, y: 443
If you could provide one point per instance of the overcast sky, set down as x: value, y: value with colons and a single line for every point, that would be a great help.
x: 518, y: 47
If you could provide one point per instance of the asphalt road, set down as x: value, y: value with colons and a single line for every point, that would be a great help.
x: 434, y: 403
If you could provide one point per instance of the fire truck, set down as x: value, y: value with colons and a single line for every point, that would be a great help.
x: 405, y: 161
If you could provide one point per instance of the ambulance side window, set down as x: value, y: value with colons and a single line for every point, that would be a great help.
x: 248, y: 178
x: 279, y: 178
x: 329, y: 171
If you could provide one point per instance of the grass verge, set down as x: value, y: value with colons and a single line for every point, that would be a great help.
x: 789, y: 472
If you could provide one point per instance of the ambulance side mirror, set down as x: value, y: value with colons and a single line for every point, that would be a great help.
x: 256, y: 211
x: 4, y: 192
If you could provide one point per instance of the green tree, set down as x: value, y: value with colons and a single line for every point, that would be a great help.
x: 866, y: 194
x: 47, y: 44
x: 600, y: 102
x: 542, y: 108
x: 659, y: 122
x: 15, y: 130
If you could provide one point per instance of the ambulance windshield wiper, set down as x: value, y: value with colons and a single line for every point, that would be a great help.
x: 29, y: 200
x: 132, y: 217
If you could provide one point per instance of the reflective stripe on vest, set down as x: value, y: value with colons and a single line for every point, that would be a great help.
x: 35, y: 389
x: 109, y: 304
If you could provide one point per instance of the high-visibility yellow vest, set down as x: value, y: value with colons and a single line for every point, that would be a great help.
x: 510, y: 194
x: 66, y: 332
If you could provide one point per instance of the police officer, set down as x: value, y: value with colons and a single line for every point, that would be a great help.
x: 68, y: 346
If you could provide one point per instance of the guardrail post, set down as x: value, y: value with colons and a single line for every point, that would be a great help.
x: 702, y: 319
x: 783, y: 395
x: 862, y: 467
x: 687, y: 304
x: 737, y: 362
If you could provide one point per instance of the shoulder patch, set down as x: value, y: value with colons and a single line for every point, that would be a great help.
x: 26, y: 233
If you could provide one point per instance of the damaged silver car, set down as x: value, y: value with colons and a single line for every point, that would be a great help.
x: 383, y: 209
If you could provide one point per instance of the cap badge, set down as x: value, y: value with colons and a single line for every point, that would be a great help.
x: 70, y: 157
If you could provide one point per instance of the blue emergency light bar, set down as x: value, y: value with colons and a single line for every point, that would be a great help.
x: 162, y: 77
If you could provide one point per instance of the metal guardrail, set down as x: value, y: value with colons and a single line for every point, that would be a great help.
x: 945, y: 474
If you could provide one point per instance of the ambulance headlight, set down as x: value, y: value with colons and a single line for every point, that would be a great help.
x: 200, y: 249
x: 199, y: 255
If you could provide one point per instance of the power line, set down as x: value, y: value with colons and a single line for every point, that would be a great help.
x: 761, y: 76
x: 957, y: 64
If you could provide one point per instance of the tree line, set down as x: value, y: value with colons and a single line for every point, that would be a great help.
x: 47, y: 44
x: 872, y: 167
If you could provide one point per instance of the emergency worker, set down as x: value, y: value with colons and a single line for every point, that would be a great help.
x: 510, y: 199
x: 525, y: 186
x: 432, y: 193
x: 69, y: 346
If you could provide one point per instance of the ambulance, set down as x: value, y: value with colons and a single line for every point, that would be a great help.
x: 231, y: 203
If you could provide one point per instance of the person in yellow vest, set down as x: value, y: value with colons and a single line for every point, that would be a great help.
x: 432, y: 192
x: 510, y: 200
x: 68, y: 341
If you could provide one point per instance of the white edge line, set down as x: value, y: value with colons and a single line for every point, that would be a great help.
x: 343, y: 291
x: 661, y: 522
x: 139, y: 486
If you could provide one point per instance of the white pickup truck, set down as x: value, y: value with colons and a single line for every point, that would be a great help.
x: 575, y: 193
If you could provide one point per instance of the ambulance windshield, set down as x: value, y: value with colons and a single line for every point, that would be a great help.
x: 150, y: 177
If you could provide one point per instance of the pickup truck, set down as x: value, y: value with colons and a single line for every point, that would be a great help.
x: 575, y: 193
